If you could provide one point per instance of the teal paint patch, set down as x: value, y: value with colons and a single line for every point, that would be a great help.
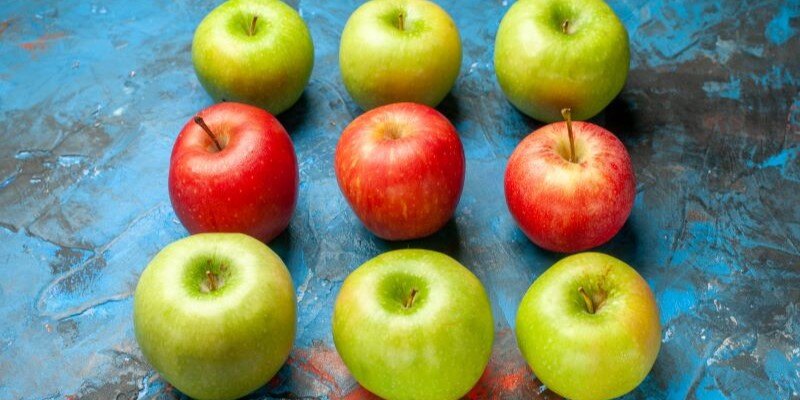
x: 783, y: 371
x: 781, y: 159
x: 726, y: 90
x: 674, y: 302
x: 779, y: 30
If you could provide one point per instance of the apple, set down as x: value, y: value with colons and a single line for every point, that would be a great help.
x: 401, y: 168
x: 554, y: 54
x: 589, y: 327
x: 570, y: 191
x: 215, y: 314
x: 253, y: 51
x: 413, y: 324
x: 399, y: 51
x: 233, y: 169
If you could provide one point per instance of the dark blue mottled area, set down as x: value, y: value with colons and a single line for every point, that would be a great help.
x: 92, y: 95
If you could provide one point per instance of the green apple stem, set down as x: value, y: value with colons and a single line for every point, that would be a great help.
x: 199, y: 121
x: 587, y: 300
x: 212, y: 281
x: 252, y: 30
x: 401, y: 21
x: 565, y: 26
x: 410, y: 299
x: 567, y: 114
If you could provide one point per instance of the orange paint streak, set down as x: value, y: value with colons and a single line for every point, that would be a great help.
x: 359, y: 393
x: 42, y: 42
x: 324, y: 364
x: 321, y: 362
x: 507, y: 375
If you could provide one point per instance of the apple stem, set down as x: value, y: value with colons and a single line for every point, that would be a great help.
x: 411, y: 297
x: 567, y: 114
x: 212, y: 280
x: 199, y: 121
x: 401, y: 18
x: 587, y: 300
x: 565, y: 26
x: 252, y: 30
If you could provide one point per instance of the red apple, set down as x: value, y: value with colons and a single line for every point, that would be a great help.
x: 233, y: 169
x: 401, y: 168
x: 570, y: 198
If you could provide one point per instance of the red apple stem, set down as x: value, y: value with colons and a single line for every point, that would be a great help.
x: 567, y: 114
x: 401, y: 21
x: 252, y: 30
x: 212, y: 280
x: 411, y: 297
x: 199, y: 121
x: 587, y: 300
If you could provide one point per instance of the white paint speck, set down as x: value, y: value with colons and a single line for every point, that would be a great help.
x: 725, y: 49
x: 668, y: 334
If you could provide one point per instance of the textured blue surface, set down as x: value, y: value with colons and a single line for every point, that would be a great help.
x: 92, y: 96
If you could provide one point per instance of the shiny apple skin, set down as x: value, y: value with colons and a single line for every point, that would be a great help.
x: 224, y: 343
x: 569, y: 207
x: 382, y: 63
x: 269, y: 68
x: 403, y: 187
x: 434, y: 348
x: 585, y: 355
x: 249, y: 187
x: 542, y: 69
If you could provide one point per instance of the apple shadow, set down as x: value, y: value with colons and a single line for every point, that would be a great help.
x: 446, y: 240
x: 536, y: 254
x: 450, y: 108
x: 621, y: 119
x: 624, y: 245
x: 293, y: 118
x: 282, y: 244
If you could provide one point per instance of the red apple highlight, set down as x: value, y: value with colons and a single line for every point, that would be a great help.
x: 401, y: 168
x: 570, y: 192
x: 233, y: 169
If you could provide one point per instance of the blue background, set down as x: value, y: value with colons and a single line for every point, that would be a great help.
x: 93, y: 94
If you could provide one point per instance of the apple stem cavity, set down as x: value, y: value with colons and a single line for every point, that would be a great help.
x: 587, y: 300
x: 199, y: 121
x: 410, y: 299
x: 252, y: 30
x: 567, y: 114
x: 212, y: 281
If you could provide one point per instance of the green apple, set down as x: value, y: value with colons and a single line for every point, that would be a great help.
x: 556, y: 54
x: 589, y: 327
x: 257, y: 52
x: 396, y: 51
x: 414, y: 324
x: 215, y: 314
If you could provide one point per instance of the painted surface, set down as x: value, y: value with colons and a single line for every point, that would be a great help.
x: 92, y: 95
